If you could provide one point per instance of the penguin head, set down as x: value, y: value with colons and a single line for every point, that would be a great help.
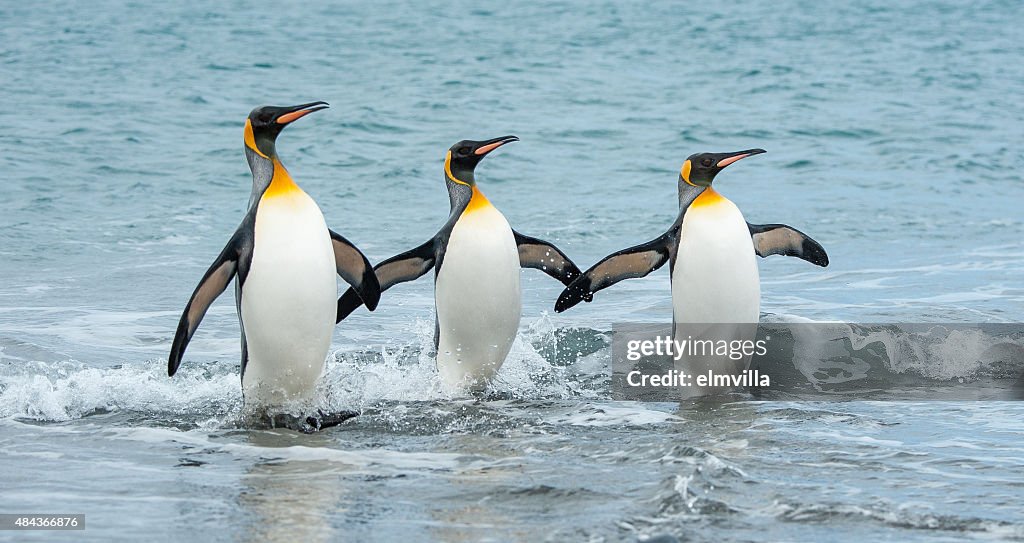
x: 266, y: 122
x: 463, y: 157
x: 700, y: 169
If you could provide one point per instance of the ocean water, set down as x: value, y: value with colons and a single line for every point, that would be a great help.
x: 893, y: 132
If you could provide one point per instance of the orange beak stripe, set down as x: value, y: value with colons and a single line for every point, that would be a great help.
x: 293, y: 116
x: 488, y: 148
x: 726, y: 161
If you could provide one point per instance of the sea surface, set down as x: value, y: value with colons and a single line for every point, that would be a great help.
x: 894, y: 134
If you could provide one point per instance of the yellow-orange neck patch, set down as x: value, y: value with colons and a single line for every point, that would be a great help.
x: 685, y: 173
x: 250, y: 140
x: 477, y: 202
x: 448, y: 170
x: 708, y: 198
x: 281, y: 184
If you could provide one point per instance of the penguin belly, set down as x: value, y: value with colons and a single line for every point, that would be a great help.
x: 288, y: 301
x: 716, y: 290
x: 478, y: 299
x: 715, y: 277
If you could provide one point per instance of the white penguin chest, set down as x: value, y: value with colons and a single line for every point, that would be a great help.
x: 478, y: 298
x: 289, y: 296
x: 479, y: 276
x: 292, y: 244
x: 715, y: 278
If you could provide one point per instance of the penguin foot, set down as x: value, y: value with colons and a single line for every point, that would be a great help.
x: 313, y: 423
x: 327, y: 420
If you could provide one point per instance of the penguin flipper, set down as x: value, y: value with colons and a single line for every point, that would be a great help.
x: 781, y: 239
x: 628, y: 263
x: 356, y: 270
x: 400, y: 268
x: 210, y: 287
x: 541, y: 255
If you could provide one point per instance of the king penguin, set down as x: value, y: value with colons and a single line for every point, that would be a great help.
x: 285, y: 261
x: 711, y: 249
x: 476, y: 258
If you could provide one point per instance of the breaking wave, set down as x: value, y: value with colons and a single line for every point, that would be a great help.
x: 546, y: 363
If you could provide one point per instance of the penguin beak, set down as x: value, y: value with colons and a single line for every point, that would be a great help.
x: 295, y: 113
x: 733, y: 157
x: 490, y: 145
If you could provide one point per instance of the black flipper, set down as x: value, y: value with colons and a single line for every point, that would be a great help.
x: 780, y: 239
x: 400, y: 268
x: 355, y: 269
x: 628, y: 263
x: 210, y: 287
x: 541, y: 255
x: 241, y: 325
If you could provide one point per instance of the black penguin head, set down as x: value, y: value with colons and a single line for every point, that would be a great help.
x: 463, y: 157
x: 700, y: 169
x: 266, y: 122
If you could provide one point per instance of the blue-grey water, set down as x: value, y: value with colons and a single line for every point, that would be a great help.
x: 894, y: 134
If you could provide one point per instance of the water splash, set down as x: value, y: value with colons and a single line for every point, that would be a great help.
x: 69, y: 390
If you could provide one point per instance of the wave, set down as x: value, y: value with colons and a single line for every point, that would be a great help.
x: 546, y: 363
x: 973, y: 359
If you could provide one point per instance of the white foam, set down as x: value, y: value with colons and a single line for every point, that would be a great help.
x: 407, y: 372
x: 61, y: 391
x: 358, y: 458
x: 618, y: 415
x: 71, y: 390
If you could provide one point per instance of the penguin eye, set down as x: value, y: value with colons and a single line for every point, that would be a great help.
x: 705, y: 162
x: 463, y: 151
x: 264, y: 117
